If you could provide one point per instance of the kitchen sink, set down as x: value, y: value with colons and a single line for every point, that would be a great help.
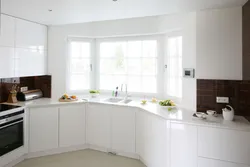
x: 113, y: 100
x: 117, y: 100
x: 126, y: 101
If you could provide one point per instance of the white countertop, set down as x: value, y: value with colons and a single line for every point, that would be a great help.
x: 176, y: 115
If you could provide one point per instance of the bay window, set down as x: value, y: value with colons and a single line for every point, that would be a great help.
x: 107, y: 63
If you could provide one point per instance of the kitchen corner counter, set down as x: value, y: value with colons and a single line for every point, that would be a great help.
x: 176, y: 115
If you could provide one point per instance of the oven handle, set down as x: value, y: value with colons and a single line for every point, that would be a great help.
x: 11, y: 124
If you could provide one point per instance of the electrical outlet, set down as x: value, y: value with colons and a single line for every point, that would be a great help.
x: 23, y: 89
x: 222, y: 100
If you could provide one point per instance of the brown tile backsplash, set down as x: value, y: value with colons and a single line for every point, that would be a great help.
x: 237, y: 91
x: 36, y: 82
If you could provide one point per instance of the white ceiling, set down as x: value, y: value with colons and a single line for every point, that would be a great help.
x: 77, y: 11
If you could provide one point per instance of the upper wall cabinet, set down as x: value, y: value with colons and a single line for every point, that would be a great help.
x: 30, y: 62
x: 30, y: 35
x: 7, y: 37
x: 6, y: 62
x: 246, y: 41
x: 219, y: 44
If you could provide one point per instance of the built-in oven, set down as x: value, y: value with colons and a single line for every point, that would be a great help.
x: 11, y: 132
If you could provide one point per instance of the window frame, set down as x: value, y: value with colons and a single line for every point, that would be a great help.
x: 92, y: 62
x: 167, y: 36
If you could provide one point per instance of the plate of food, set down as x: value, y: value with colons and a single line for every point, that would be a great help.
x: 67, y: 98
x: 94, y: 93
x: 168, y: 104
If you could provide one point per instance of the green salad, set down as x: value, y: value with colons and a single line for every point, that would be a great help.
x: 94, y: 91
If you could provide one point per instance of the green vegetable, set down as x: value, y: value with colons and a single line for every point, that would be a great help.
x: 94, y: 91
x: 166, y: 103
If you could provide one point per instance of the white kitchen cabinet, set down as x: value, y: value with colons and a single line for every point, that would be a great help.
x: 43, y: 131
x: 98, y: 125
x: 7, y: 67
x: 224, y: 144
x: 72, y: 125
x: 219, y: 48
x: 123, y: 129
x: 7, y: 37
x: 203, y: 162
x: 30, y: 35
x: 151, y: 139
x: 183, y: 145
x: 30, y: 62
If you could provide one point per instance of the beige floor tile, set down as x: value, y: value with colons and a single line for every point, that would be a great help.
x: 86, y: 158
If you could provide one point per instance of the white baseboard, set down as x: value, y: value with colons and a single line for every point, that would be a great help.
x: 56, y: 151
x: 15, y: 162
x: 143, y: 161
x: 119, y: 153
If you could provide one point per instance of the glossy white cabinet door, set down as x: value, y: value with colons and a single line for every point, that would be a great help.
x: 98, y: 125
x: 30, y: 35
x: 143, y: 136
x: 203, y: 162
x: 123, y: 129
x: 43, y: 129
x: 183, y: 143
x: 6, y: 62
x: 30, y: 62
x: 151, y: 139
x: 7, y: 37
x: 158, y: 142
x: 72, y: 125
x: 223, y: 144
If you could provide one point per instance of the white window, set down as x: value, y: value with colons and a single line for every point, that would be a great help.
x: 174, y: 67
x: 79, y: 66
x: 132, y: 62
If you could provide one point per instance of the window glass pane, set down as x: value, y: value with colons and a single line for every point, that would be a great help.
x: 149, y: 66
x: 134, y: 66
x: 80, y: 49
x: 80, y: 65
x: 134, y: 84
x: 174, y: 71
x: 149, y: 84
x: 113, y: 49
x: 112, y: 66
x: 150, y: 48
x: 79, y: 82
x: 134, y: 49
x: 110, y: 82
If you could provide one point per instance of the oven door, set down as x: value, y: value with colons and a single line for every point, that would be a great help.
x: 11, y: 136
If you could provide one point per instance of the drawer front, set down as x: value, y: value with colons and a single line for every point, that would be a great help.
x: 226, y: 145
x: 203, y: 162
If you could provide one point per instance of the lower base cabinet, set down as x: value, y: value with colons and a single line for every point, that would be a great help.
x: 151, y: 139
x: 43, y: 131
x: 183, y: 143
x: 123, y: 129
x: 203, y: 162
x: 72, y: 126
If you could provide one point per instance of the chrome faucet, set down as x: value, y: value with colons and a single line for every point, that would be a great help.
x: 126, y: 91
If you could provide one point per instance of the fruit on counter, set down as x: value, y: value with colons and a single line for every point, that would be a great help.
x: 73, y: 97
x: 66, y: 96
x: 154, y: 100
x: 144, y: 101
x: 94, y: 91
x: 166, y: 103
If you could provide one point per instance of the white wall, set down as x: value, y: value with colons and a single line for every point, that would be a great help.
x: 139, y: 26
x: 219, y: 44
